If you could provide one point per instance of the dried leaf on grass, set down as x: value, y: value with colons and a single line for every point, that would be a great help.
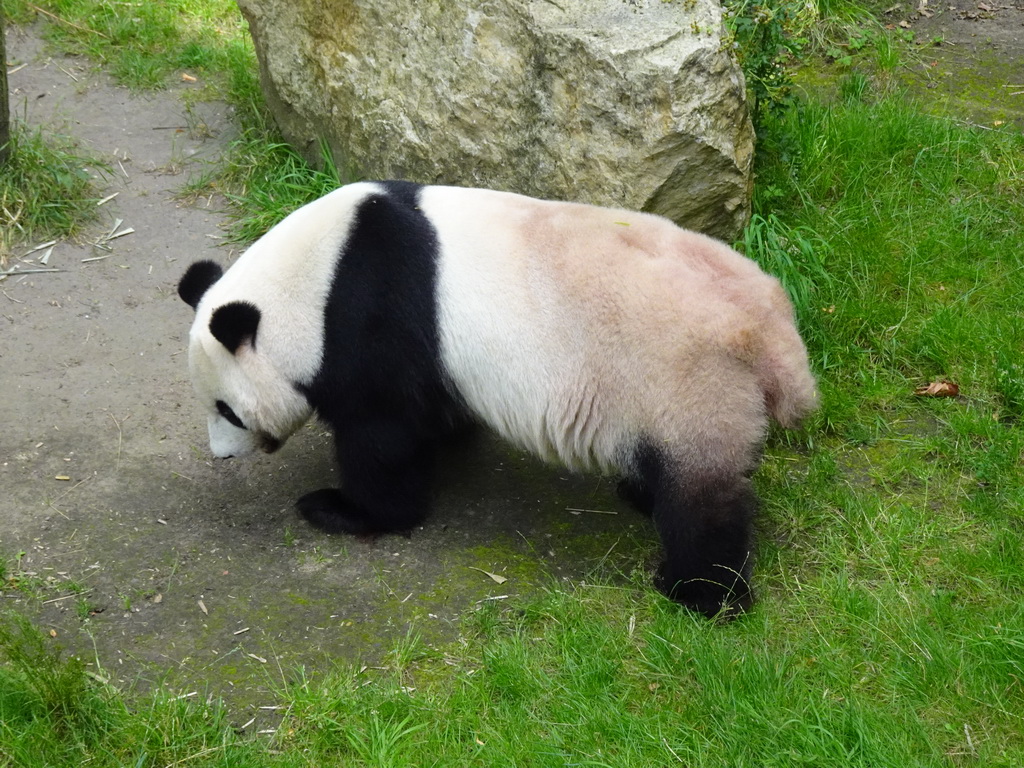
x: 494, y: 576
x: 938, y: 389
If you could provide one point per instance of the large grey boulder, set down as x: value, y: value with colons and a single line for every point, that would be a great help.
x: 630, y: 103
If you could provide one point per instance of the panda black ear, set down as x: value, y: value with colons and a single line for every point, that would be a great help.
x: 235, y: 323
x: 196, y: 280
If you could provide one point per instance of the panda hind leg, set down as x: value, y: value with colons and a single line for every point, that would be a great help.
x: 633, y: 491
x: 386, y: 488
x: 706, y: 528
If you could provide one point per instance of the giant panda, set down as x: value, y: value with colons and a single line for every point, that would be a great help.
x: 603, y: 339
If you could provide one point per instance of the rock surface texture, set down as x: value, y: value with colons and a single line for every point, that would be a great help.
x: 630, y: 103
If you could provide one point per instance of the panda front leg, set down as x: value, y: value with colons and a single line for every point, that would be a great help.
x: 706, y: 529
x: 386, y: 488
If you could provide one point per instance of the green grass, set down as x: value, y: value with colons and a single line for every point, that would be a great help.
x: 834, y: 669
x: 889, y: 629
x: 264, y: 180
x: 46, y: 189
x: 149, y: 45
x: 144, y: 44
x: 54, y: 711
x: 918, y: 225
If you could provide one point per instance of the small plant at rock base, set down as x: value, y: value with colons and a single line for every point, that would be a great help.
x: 763, y: 36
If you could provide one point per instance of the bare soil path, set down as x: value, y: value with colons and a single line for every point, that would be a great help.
x: 143, y: 554
x: 971, y: 56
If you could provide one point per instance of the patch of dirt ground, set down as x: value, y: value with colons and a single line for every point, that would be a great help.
x: 970, y: 61
x: 141, y: 552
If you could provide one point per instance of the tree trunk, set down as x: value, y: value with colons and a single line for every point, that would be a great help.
x: 5, y: 104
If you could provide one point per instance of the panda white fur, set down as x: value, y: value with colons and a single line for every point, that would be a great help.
x: 603, y: 339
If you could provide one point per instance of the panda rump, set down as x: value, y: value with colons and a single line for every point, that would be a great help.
x: 598, y: 338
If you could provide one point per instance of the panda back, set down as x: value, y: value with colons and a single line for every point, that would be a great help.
x: 577, y: 331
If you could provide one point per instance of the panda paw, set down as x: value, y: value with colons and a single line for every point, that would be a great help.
x: 713, y: 599
x: 331, y: 511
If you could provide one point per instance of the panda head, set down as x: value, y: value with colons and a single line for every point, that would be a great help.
x: 250, y: 404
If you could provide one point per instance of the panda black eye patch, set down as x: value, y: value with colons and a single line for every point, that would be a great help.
x: 225, y: 410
